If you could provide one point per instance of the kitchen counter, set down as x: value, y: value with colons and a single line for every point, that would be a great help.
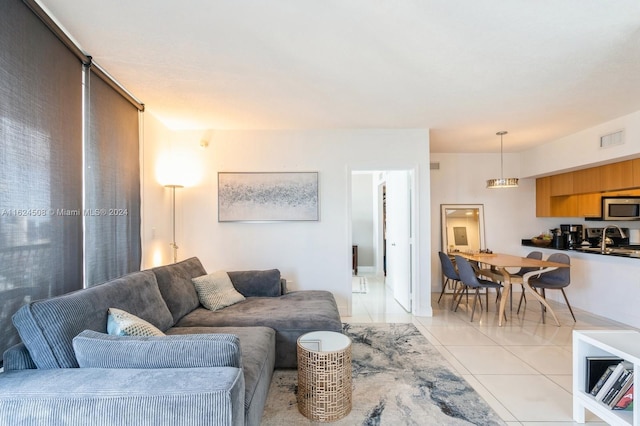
x: 631, y: 251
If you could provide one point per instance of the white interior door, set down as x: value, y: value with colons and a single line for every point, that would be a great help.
x: 399, y: 236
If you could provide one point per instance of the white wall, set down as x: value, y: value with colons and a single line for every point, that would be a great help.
x: 362, y: 210
x: 311, y: 255
x: 509, y: 213
x: 583, y: 148
x: 156, y: 199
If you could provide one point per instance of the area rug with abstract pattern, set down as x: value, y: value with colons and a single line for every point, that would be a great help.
x: 399, y: 378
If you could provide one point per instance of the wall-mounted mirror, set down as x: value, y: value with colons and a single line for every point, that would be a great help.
x: 462, y: 227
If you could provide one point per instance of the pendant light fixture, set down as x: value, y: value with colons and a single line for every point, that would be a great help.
x: 502, y: 182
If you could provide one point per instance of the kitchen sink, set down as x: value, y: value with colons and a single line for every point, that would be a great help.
x: 620, y: 251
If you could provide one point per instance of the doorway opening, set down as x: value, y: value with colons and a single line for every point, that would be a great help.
x: 382, y: 233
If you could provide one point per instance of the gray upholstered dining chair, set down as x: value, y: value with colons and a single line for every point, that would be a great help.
x: 468, y: 277
x: 557, y: 279
x: 450, y: 274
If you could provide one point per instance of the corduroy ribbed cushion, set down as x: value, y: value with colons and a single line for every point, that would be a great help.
x: 216, y: 291
x: 122, y: 323
x: 47, y: 327
x: 123, y: 396
x: 99, y: 350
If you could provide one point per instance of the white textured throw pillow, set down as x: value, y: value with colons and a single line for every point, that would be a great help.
x: 216, y: 290
x: 122, y: 323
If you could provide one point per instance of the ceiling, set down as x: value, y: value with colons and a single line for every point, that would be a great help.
x: 463, y: 68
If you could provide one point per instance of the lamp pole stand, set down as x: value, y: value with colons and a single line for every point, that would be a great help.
x: 173, y: 199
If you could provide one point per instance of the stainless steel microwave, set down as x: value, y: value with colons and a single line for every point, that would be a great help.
x: 620, y: 208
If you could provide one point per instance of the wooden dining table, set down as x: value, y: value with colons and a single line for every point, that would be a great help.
x: 503, y: 261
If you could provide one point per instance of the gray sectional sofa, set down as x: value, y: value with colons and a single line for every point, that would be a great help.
x: 211, y: 368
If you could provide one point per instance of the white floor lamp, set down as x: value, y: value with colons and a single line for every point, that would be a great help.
x: 173, y: 197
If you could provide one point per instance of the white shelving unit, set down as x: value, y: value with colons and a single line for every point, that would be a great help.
x: 624, y: 344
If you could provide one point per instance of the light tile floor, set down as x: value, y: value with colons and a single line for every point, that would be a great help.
x: 522, y: 369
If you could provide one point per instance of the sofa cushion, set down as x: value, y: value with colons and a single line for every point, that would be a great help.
x: 122, y: 323
x: 291, y: 315
x: 215, y: 290
x: 257, y: 283
x: 99, y: 350
x: 258, y: 359
x: 123, y: 397
x: 176, y: 287
x: 47, y: 327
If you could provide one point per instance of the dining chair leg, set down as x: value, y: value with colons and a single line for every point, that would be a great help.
x: 475, y: 299
x: 522, y: 297
x: 455, y: 294
x: 511, y: 298
x: 444, y: 287
x: 568, y: 305
x: 543, y: 308
x: 462, y: 291
x: 487, y: 296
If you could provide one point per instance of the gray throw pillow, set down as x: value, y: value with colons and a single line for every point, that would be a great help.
x: 257, y: 283
x: 216, y: 291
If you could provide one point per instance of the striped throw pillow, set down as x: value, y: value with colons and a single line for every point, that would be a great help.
x: 122, y: 323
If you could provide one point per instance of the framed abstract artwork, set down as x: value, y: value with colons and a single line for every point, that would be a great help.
x: 267, y: 196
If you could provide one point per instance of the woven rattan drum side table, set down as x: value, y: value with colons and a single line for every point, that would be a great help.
x: 324, y: 375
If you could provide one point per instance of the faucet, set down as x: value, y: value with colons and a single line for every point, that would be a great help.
x: 603, y: 238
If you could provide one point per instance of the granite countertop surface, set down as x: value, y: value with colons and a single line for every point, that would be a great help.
x: 631, y: 250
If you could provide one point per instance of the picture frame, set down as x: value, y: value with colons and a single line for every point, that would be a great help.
x: 460, y: 235
x: 267, y: 196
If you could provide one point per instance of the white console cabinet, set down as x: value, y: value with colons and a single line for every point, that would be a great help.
x: 624, y: 344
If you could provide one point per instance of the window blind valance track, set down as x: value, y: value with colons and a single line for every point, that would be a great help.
x: 86, y: 59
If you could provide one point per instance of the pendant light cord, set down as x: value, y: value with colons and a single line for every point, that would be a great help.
x: 501, y: 134
x: 501, y: 159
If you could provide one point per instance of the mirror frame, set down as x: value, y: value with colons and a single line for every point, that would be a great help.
x: 443, y: 222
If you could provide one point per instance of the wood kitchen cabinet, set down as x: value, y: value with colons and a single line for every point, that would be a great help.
x: 579, y: 193
x: 588, y: 180
x: 543, y: 197
x: 562, y: 184
x: 589, y: 205
x: 617, y: 175
x: 565, y: 206
x: 635, y: 166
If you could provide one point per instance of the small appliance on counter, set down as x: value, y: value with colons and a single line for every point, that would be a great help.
x: 572, y: 236
x: 557, y: 238
x: 594, y: 235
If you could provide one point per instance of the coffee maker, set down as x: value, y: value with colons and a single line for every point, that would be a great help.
x: 572, y: 235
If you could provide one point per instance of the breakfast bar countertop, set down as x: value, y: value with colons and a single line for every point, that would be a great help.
x: 630, y: 251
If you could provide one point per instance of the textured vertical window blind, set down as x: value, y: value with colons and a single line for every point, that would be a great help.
x: 40, y: 164
x: 112, y: 184
x: 42, y: 213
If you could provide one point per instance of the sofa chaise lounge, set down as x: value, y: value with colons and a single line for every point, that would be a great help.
x: 211, y: 368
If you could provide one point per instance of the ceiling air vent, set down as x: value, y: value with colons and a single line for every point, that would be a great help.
x: 434, y: 166
x: 612, y: 139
